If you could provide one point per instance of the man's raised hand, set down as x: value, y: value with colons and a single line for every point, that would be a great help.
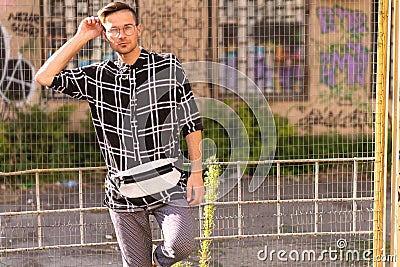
x: 90, y: 27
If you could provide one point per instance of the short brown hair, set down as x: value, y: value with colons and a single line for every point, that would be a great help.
x: 114, y: 7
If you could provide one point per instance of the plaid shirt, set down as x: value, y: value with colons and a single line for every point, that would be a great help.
x: 138, y: 112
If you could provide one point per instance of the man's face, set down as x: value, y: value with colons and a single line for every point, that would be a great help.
x: 122, y: 33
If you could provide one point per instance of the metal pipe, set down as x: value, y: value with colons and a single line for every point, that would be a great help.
x: 288, y: 161
x: 316, y: 182
x: 355, y: 170
x: 381, y: 117
x: 38, y: 208
x: 256, y: 202
x: 311, y: 234
x: 81, y: 218
x: 395, y: 183
x: 239, y: 205
x: 278, y: 197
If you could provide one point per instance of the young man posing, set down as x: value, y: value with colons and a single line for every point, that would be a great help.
x: 139, y: 104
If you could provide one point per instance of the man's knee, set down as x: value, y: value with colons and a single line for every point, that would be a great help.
x: 187, y: 248
x: 175, y: 252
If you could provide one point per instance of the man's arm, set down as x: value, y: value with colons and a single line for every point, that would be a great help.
x: 195, y: 183
x: 88, y: 29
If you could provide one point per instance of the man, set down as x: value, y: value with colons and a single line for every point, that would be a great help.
x: 139, y: 104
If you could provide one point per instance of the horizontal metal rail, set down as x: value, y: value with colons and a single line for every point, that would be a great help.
x: 225, y: 203
x: 217, y: 238
x: 286, y: 161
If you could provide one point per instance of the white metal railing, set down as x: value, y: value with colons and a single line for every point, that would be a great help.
x: 239, y: 203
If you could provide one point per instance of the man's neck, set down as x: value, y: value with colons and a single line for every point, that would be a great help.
x: 131, y: 57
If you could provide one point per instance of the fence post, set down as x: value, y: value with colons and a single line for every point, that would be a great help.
x: 38, y: 208
x: 381, y: 133
x: 242, y: 44
x: 394, y: 218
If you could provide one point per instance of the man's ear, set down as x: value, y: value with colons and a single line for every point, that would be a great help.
x: 105, y: 36
x: 139, y: 29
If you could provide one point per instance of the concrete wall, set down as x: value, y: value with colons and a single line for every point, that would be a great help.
x: 178, y: 27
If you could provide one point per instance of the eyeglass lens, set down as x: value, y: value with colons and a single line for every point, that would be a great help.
x: 128, y: 30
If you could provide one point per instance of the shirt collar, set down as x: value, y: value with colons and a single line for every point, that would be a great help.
x: 122, y: 66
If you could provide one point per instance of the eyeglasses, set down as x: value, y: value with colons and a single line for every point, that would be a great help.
x: 129, y: 29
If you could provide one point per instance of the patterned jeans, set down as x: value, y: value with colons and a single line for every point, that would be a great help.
x: 135, y: 238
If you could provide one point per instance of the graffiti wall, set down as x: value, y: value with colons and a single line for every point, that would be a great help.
x: 315, y: 69
x: 19, y: 29
x: 340, y: 60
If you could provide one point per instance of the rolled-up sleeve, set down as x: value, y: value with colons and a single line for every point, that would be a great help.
x: 72, y: 82
x: 188, y: 113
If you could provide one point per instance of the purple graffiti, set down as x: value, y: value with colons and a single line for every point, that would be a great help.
x: 290, y: 78
x: 356, y: 20
x: 263, y: 61
x: 229, y: 76
x: 354, y: 61
x: 270, y: 76
x: 273, y: 76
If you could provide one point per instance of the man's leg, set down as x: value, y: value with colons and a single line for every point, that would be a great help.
x: 177, y: 224
x: 134, y: 237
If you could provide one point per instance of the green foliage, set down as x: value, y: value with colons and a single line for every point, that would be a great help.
x: 85, y: 144
x: 290, y: 143
x: 217, y: 133
x: 36, y: 139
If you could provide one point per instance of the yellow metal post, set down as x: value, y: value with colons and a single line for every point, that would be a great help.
x: 395, y: 225
x: 381, y: 123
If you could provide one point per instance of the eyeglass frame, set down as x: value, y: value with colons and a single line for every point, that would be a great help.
x: 134, y: 26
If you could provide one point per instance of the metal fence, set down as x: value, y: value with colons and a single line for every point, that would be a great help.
x: 307, y: 209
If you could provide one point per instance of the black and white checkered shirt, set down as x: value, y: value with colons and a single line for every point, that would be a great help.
x: 138, y: 112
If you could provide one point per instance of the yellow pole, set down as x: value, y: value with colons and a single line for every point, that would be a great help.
x: 381, y: 112
x: 394, y: 222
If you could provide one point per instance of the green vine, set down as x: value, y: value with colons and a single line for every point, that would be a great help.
x: 211, y: 184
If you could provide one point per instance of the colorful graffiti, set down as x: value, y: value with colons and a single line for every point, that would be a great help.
x: 16, y: 74
x: 352, y: 21
x: 345, y: 62
x: 350, y: 59
x: 273, y: 68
